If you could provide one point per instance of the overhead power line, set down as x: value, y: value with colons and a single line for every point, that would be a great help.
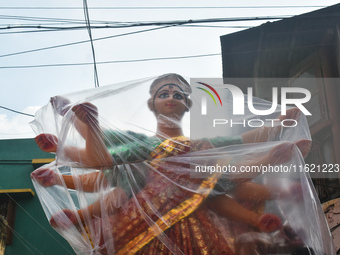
x: 158, y: 7
x: 16, y: 134
x: 112, y: 62
x: 163, y: 24
x: 42, y: 28
x: 8, y: 109
x: 80, y: 42
x: 30, y: 18
x: 94, y: 27
x: 155, y: 59
x: 145, y: 23
x: 53, y: 19
x: 88, y: 25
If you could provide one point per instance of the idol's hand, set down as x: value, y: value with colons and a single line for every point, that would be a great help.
x: 86, y: 113
x: 268, y: 133
x: 291, y: 114
x: 60, y: 104
x: 269, y: 223
x: 281, y: 153
x: 304, y: 146
x: 47, y: 142
x: 46, y: 177
x: 64, y: 219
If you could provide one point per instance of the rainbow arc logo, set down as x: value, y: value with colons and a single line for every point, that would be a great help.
x: 208, y: 92
x: 204, y: 101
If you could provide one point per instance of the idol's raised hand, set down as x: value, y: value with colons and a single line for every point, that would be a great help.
x: 291, y: 114
x: 46, y: 177
x: 60, y: 104
x: 47, y: 142
x: 86, y: 113
x: 64, y: 219
x: 268, y: 133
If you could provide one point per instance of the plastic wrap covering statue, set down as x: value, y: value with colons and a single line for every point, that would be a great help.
x: 129, y: 179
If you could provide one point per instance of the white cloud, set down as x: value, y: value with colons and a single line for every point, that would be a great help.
x: 14, y: 126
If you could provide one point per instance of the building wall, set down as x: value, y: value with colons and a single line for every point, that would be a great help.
x: 32, y: 232
x: 303, y: 49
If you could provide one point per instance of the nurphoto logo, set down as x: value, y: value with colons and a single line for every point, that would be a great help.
x: 298, y: 97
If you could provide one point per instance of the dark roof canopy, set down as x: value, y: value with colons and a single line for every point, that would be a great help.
x: 270, y: 50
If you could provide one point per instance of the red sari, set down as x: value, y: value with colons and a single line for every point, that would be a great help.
x: 168, y: 215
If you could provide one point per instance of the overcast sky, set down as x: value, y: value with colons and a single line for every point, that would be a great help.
x: 28, y: 88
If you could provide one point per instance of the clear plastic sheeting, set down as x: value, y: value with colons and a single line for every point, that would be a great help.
x: 128, y: 179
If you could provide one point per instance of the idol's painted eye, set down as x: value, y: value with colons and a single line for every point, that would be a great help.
x: 178, y: 96
x: 163, y: 95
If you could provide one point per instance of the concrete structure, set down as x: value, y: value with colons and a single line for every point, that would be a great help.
x: 24, y: 228
x: 302, y: 51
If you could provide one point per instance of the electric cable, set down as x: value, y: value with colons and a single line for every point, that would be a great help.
x: 84, y: 41
x: 165, y: 24
x: 88, y: 25
x: 27, y: 133
x: 8, y: 109
x: 113, y: 62
x: 48, y: 232
x: 161, y: 8
x: 45, y: 29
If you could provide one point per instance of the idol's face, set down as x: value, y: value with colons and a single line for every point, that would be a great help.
x: 169, y: 100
